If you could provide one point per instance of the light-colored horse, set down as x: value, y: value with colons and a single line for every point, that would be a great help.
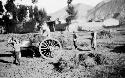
x: 44, y: 30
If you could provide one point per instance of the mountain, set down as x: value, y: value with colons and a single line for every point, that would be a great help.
x: 80, y: 8
x: 108, y: 9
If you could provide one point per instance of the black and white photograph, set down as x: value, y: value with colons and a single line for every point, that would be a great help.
x: 62, y: 38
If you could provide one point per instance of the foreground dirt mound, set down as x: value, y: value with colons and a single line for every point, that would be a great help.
x: 112, y: 66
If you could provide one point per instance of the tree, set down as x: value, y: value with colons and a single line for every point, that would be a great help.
x: 40, y: 15
x: 24, y: 16
x: 36, y: 13
x: 22, y: 11
x: 69, y: 2
x: 31, y: 12
x: 1, y: 8
x: 11, y: 8
x: 71, y: 12
x: 34, y: 1
x: 43, y: 16
x: 11, y: 11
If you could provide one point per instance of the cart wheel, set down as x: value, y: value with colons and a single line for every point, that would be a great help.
x: 50, y: 48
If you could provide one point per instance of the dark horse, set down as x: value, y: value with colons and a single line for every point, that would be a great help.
x: 56, y: 27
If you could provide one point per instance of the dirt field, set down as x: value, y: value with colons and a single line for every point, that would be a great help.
x: 109, y: 59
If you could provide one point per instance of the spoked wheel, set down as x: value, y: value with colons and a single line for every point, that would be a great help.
x: 50, y: 48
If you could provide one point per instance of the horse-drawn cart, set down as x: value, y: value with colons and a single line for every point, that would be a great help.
x: 49, y: 47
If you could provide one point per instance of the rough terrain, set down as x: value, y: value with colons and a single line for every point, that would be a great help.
x: 109, y: 63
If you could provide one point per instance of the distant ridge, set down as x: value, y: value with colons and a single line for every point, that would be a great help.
x: 108, y: 9
x: 80, y: 8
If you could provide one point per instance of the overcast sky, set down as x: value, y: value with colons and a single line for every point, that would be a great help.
x: 54, y: 5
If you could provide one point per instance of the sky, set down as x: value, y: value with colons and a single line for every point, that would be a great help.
x: 54, y: 5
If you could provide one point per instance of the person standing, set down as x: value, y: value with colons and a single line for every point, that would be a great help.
x: 74, y: 39
x: 46, y: 30
x: 17, y: 53
x: 16, y: 48
x: 93, y: 40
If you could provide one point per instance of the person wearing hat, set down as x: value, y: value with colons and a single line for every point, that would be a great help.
x: 74, y: 39
x: 16, y: 48
x: 46, y: 30
x: 93, y: 40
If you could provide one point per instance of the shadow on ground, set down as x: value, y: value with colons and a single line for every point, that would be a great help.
x: 29, y: 52
x: 6, y: 55
x: 79, y: 49
x: 3, y: 61
x: 111, y: 72
x: 119, y: 49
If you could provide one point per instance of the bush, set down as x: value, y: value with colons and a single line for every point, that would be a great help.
x: 104, y: 34
x: 79, y: 28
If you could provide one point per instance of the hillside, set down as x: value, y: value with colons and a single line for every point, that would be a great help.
x: 80, y: 8
x: 107, y: 9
